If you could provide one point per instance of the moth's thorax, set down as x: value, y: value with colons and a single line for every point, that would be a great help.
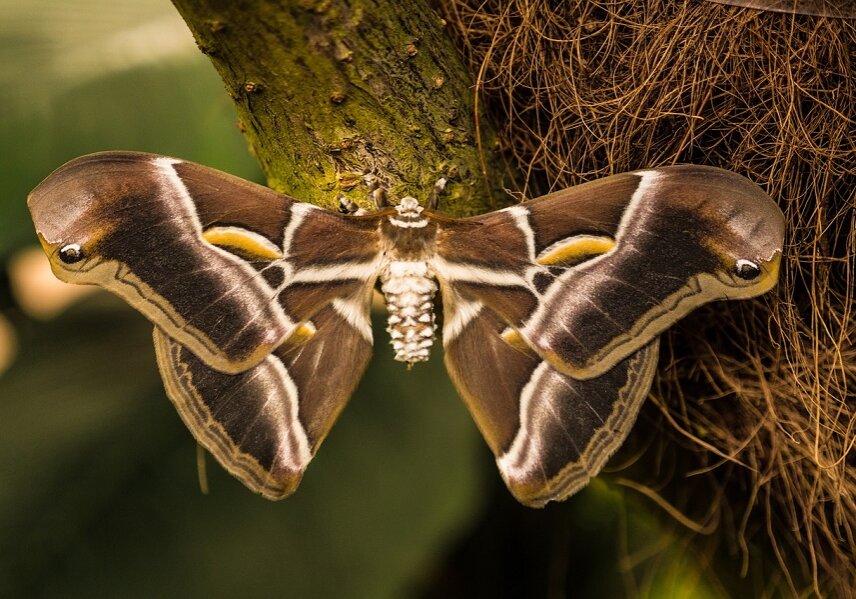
x: 408, y: 283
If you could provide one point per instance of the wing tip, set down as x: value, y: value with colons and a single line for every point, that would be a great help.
x: 534, y: 488
x: 275, y: 487
x: 537, y: 492
x: 274, y: 483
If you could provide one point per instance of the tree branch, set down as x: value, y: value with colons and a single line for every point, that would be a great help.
x: 326, y: 89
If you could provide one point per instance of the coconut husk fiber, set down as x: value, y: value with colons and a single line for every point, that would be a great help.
x: 761, y: 394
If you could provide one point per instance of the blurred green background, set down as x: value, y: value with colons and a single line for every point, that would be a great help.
x: 98, y: 481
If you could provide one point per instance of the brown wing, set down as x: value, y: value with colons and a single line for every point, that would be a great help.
x: 589, y: 275
x: 265, y: 424
x: 155, y: 231
x: 550, y: 433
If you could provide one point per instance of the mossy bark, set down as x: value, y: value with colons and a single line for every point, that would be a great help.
x: 328, y: 89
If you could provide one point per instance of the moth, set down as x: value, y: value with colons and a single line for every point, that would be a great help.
x: 551, y: 308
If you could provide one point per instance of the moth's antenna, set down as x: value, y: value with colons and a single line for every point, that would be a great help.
x: 376, y: 190
x: 380, y: 198
x: 434, y: 198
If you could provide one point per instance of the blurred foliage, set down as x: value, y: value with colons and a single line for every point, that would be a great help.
x: 99, y: 485
x: 98, y: 489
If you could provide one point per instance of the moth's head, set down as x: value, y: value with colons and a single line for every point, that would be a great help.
x: 77, y: 207
x: 408, y: 206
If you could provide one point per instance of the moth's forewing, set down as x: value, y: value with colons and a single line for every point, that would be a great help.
x: 139, y: 231
x: 680, y: 243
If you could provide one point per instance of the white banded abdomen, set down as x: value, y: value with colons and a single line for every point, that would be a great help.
x: 409, y: 289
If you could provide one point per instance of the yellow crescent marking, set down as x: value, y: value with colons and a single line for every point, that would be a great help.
x: 243, y: 240
x: 575, y: 249
x: 301, y: 335
x: 513, y: 338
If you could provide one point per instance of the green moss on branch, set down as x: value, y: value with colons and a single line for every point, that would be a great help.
x: 327, y: 89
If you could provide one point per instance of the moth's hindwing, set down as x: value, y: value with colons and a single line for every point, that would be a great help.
x: 550, y: 433
x: 265, y: 424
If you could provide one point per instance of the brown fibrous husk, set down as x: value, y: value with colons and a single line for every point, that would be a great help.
x: 762, y: 392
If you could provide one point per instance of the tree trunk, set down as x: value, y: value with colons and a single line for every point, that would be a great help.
x: 329, y: 89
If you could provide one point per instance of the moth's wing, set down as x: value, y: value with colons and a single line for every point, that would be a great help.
x: 138, y: 220
x: 689, y: 235
x: 153, y: 230
x: 550, y: 433
x: 260, y: 302
x: 264, y: 425
x: 589, y: 275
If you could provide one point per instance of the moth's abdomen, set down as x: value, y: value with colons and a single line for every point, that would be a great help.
x: 409, y: 289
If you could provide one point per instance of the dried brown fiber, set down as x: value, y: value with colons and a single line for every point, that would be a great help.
x: 764, y: 392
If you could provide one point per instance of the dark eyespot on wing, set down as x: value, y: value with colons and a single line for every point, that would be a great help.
x: 747, y: 270
x: 71, y: 253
